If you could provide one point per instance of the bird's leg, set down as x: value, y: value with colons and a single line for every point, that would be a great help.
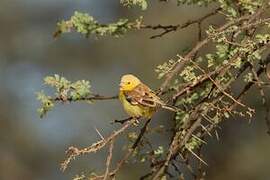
x: 136, y: 122
x: 122, y: 121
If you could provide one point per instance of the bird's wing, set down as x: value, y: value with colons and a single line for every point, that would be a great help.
x: 144, y: 96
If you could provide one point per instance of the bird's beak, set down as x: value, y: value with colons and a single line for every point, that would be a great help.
x: 121, y: 86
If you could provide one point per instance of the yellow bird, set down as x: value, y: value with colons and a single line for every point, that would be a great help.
x: 138, y: 99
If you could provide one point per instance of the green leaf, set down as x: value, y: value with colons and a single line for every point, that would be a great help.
x: 86, y: 25
x: 65, y: 90
x: 130, y: 3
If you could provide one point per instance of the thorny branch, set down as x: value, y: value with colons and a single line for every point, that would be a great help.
x: 261, y: 70
x: 74, y: 152
x: 128, y: 153
x: 202, y: 43
x: 179, y: 139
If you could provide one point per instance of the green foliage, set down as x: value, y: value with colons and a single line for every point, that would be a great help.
x: 188, y: 74
x: 87, y: 25
x: 165, y: 68
x: 61, y: 84
x: 228, y: 7
x: 251, y: 5
x: 263, y: 38
x: 197, y: 2
x: 219, y: 57
x: 141, y: 3
x: 248, y: 77
x: 46, y: 103
x: 181, y: 117
x: 65, y: 90
x: 159, y: 151
x: 80, y: 89
x: 193, y: 143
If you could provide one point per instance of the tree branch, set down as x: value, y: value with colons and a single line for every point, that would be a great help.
x: 170, y: 28
x: 93, y: 97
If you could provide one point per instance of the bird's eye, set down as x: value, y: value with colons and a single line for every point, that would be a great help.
x: 128, y: 83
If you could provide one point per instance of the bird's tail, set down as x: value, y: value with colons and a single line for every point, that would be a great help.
x: 170, y: 108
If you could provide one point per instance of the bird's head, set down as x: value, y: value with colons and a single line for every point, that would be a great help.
x: 129, y: 82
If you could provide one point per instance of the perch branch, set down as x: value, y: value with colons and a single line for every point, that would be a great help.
x: 93, y: 97
x: 108, y: 161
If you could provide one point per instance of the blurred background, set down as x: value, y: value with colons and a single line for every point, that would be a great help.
x: 32, y: 148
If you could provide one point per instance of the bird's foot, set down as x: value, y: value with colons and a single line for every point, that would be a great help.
x: 122, y: 121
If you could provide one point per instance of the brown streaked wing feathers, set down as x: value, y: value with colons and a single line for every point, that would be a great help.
x: 144, y: 96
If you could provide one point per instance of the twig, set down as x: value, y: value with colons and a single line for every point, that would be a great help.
x: 143, y: 130
x: 170, y: 28
x: 128, y: 153
x: 201, y: 173
x: 146, y: 176
x: 188, y: 166
x: 198, y: 157
x: 100, y: 135
x: 250, y: 84
x: 109, y: 159
x: 93, y: 97
x: 176, y: 168
x: 175, y: 145
x: 218, y: 85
